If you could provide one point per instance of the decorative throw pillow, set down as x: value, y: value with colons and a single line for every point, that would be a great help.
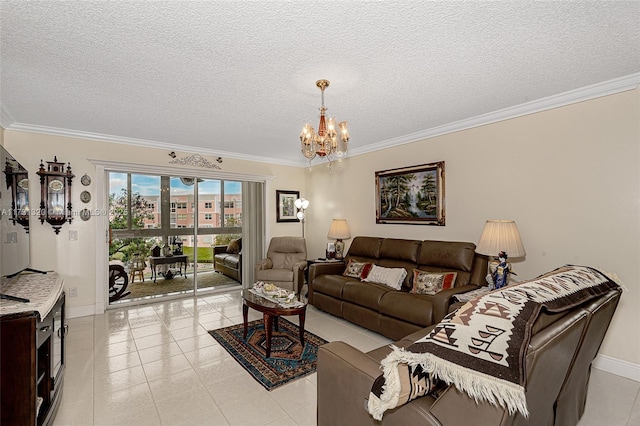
x: 392, y: 277
x: 432, y: 282
x: 234, y: 246
x: 357, y: 269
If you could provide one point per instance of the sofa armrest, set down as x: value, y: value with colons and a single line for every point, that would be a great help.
x: 328, y: 268
x: 264, y: 264
x: 219, y: 249
x: 345, y: 377
x: 443, y: 299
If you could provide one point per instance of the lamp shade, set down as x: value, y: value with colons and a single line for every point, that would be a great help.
x: 301, y: 203
x: 500, y: 235
x: 339, y: 230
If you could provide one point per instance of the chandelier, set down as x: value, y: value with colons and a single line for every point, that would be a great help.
x: 324, y: 143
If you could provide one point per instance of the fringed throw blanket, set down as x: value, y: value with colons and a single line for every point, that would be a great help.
x: 481, y: 347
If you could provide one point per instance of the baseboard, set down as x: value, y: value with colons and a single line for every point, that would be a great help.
x: 618, y: 367
x: 81, y: 311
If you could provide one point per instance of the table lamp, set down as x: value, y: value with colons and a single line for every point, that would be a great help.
x: 339, y: 230
x: 500, y: 238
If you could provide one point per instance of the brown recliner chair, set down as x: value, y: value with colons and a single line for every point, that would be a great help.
x: 284, y: 264
x: 558, y: 366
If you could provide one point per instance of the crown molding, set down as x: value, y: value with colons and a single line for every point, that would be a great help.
x: 55, y: 131
x: 5, y: 118
x: 598, y: 90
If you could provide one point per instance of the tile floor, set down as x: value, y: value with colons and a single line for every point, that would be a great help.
x: 156, y: 365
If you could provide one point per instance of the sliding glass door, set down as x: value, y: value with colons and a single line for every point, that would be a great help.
x: 163, y: 230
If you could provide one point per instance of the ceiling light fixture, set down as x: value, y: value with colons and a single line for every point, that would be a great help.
x: 324, y: 143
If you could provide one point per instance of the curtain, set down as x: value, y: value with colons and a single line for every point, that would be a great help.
x: 253, y: 229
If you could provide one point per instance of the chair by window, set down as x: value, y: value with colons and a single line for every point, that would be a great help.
x: 137, y: 265
x: 284, y: 264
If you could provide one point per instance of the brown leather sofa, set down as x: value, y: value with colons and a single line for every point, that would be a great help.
x: 395, y: 313
x: 228, y: 263
x: 558, y: 366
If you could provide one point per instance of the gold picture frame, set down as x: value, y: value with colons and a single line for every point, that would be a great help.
x: 411, y: 195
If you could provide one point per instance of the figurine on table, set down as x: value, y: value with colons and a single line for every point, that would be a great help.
x: 499, y: 272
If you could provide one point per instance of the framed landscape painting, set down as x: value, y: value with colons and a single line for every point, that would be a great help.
x: 285, y: 204
x: 411, y: 195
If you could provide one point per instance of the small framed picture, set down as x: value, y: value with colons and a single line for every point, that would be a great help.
x: 286, y: 210
x: 331, y: 250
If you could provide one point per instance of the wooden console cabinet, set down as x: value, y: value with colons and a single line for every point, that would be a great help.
x: 32, y: 362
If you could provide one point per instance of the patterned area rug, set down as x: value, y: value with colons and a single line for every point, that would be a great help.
x: 289, y: 359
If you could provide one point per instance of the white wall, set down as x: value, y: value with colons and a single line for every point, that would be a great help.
x: 569, y: 177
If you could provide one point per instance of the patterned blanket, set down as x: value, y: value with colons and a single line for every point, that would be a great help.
x: 481, y: 347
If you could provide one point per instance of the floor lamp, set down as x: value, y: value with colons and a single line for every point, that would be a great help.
x: 301, y: 204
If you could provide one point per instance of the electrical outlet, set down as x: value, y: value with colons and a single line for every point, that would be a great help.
x: 73, y: 292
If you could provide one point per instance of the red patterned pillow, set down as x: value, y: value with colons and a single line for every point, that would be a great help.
x: 425, y: 282
x: 357, y: 269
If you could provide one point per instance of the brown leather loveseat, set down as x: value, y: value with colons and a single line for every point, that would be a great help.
x: 558, y: 366
x: 227, y: 259
x: 395, y: 313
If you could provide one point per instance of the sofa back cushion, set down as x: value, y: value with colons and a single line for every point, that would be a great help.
x: 443, y: 256
x: 452, y: 255
x: 399, y: 253
x: 431, y: 256
x: 365, y: 249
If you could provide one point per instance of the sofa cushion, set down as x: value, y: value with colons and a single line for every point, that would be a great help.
x: 413, y: 308
x: 232, y: 260
x: 403, y: 250
x: 366, y: 249
x: 235, y: 246
x: 432, y: 282
x: 453, y: 255
x: 330, y: 285
x: 364, y: 294
x: 357, y: 269
x: 276, y: 275
x: 392, y: 277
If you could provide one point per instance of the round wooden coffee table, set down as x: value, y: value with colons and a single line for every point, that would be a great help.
x: 271, y: 311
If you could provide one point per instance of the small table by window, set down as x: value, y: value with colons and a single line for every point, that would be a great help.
x: 180, y: 259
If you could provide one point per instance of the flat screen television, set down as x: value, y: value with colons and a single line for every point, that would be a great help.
x: 16, y: 214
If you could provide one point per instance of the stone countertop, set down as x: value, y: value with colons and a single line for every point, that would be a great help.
x: 42, y: 290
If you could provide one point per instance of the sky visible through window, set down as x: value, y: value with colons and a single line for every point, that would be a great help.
x: 148, y: 185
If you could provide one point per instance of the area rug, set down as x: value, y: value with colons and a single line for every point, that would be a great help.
x: 289, y: 359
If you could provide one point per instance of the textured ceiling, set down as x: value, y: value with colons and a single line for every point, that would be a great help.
x: 238, y: 78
